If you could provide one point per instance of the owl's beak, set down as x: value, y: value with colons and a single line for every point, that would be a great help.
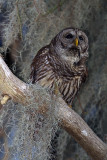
x: 76, y: 42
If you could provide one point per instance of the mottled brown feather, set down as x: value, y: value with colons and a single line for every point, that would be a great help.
x: 48, y: 68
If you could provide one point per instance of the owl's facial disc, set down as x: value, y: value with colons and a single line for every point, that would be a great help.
x: 74, y: 44
x: 74, y: 38
x: 71, y: 45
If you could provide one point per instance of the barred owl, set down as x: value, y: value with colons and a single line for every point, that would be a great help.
x: 63, y: 61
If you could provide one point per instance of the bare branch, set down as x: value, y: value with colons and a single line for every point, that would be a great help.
x: 81, y: 132
x: 12, y: 86
x: 20, y: 92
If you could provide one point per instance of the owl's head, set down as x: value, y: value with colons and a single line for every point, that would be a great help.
x: 71, y: 45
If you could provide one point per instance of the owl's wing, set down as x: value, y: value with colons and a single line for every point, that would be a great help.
x: 85, y: 75
x: 38, y: 64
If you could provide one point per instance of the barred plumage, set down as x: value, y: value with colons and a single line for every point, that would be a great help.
x: 62, y: 62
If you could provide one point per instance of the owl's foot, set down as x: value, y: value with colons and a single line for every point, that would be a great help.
x: 56, y: 89
x: 70, y: 106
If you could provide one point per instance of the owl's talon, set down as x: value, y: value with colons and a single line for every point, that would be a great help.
x: 70, y: 106
x: 56, y: 89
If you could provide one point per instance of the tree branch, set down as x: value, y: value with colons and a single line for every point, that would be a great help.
x: 12, y: 86
x: 81, y: 132
x: 20, y: 92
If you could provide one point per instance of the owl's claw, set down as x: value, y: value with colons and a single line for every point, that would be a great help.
x: 70, y: 106
x: 56, y: 89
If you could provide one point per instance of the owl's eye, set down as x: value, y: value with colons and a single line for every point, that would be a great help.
x: 81, y: 38
x: 69, y: 36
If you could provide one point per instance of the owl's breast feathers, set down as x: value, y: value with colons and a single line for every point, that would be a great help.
x: 48, y: 70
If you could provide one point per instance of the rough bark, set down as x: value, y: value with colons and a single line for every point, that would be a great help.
x: 12, y: 86
x: 19, y: 92
x: 81, y: 132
